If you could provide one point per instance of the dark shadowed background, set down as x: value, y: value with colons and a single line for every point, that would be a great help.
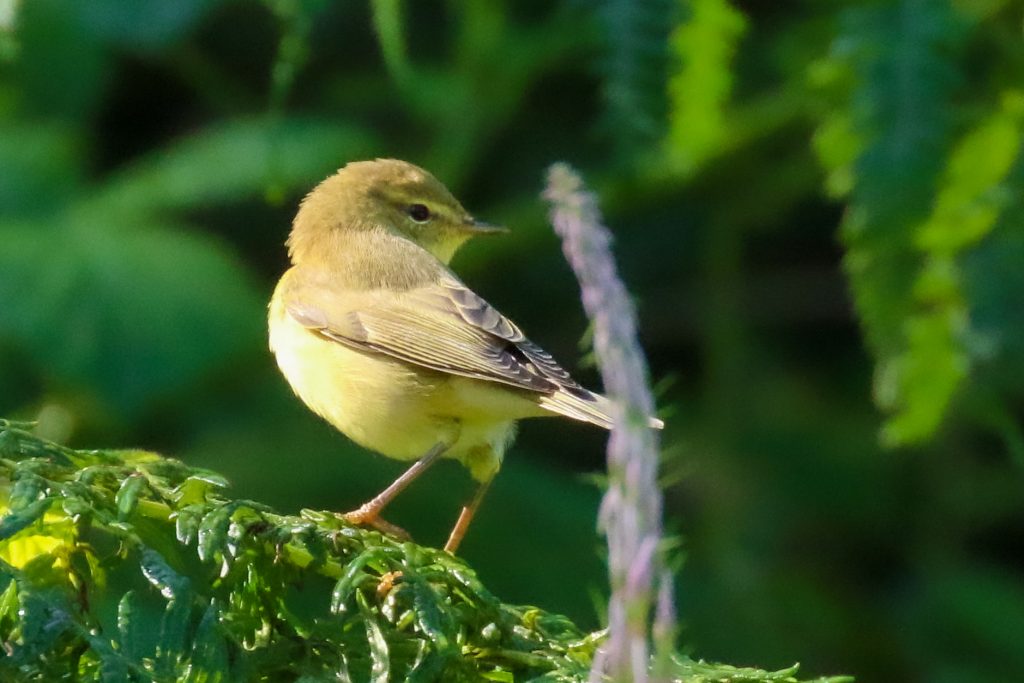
x: 816, y: 204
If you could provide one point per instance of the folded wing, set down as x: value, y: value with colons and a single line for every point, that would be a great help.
x: 444, y: 326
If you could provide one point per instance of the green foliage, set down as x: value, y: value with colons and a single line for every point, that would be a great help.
x: 703, y: 46
x: 192, y: 172
x: 906, y: 247
x: 296, y: 20
x: 389, y: 21
x: 82, y: 311
x: 215, y: 589
x: 192, y: 130
x: 940, y: 344
x: 635, y: 65
x: 106, y: 308
x: 236, y: 592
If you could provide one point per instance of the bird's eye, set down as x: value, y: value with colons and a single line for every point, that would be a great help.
x: 419, y: 213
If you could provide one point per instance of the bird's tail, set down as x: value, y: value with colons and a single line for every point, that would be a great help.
x: 585, y: 406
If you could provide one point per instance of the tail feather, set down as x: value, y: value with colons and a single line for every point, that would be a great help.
x: 586, y: 407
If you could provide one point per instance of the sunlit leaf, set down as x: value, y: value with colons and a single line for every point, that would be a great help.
x: 884, y: 149
x: 186, y: 523
x: 170, y: 583
x: 970, y: 197
x: 16, y: 520
x: 939, y: 348
x: 703, y: 47
x: 128, y: 496
x: 213, y: 532
x: 838, y: 147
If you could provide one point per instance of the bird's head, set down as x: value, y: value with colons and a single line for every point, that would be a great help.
x: 391, y: 195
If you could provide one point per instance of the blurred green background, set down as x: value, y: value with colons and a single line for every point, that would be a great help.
x: 817, y: 205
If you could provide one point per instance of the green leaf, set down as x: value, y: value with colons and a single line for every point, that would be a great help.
x: 9, y: 597
x: 186, y: 523
x: 174, y: 625
x: 141, y: 24
x: 234, y: 160
x: 195, y: 489
x: 270, y: 617
x: 970, y: 197
x: 429, y: 665
x: 113, y: 666
x: 388, y: 22
x: 434, y: 623
x: 994, y: 283
x: 345, y: 586
x: 28, y: 489
x: 43, y: 620
x: 61, y: 71
x: 635, y: 66
x: 16, y: 520
x: 41, y: 169
x: 380, y: 658
x: 213, y: 532
x: 703, y: 47
x: 132, y: 314
x: 131, y: 627
x: 209, y: 661
x: 128, y: 496
x: 838, y: 146
x: 883, y: 146
x: 920, y: 382
x: 154, y: 567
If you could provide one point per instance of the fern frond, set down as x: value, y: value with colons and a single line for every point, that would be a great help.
x: 126, y: 566
x: 703, y: 46
x: 940, y: 346
x: 635, y: 69
x: 884, y: 147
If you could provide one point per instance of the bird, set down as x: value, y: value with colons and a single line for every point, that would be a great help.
x: 377, y: 335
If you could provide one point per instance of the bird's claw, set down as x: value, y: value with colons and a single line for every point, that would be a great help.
x: 366, y: 516
x: 387, y: 582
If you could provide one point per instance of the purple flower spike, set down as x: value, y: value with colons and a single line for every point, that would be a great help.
x: 631, y: 510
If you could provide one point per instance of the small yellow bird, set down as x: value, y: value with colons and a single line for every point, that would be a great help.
x: 376, y: 334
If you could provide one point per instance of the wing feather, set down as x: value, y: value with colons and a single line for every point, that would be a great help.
x: 443, y: 326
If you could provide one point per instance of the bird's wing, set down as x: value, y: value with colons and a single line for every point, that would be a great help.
x: 444, y: 326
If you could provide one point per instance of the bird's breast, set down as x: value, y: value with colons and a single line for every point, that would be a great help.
x: 389, y: 406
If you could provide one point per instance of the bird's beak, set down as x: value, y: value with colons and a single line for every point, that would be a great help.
x: 484, y: 228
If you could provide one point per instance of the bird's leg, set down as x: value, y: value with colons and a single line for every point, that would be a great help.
x: 369, y: 512
x: 465, y: 517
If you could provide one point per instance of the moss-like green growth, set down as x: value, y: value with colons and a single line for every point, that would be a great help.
x: 127, y: 566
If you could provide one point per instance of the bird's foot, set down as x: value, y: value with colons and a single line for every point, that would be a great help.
x: 368, y: 516
x: 387, y: 582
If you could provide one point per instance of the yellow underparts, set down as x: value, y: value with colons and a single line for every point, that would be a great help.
x: 397, y: 409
